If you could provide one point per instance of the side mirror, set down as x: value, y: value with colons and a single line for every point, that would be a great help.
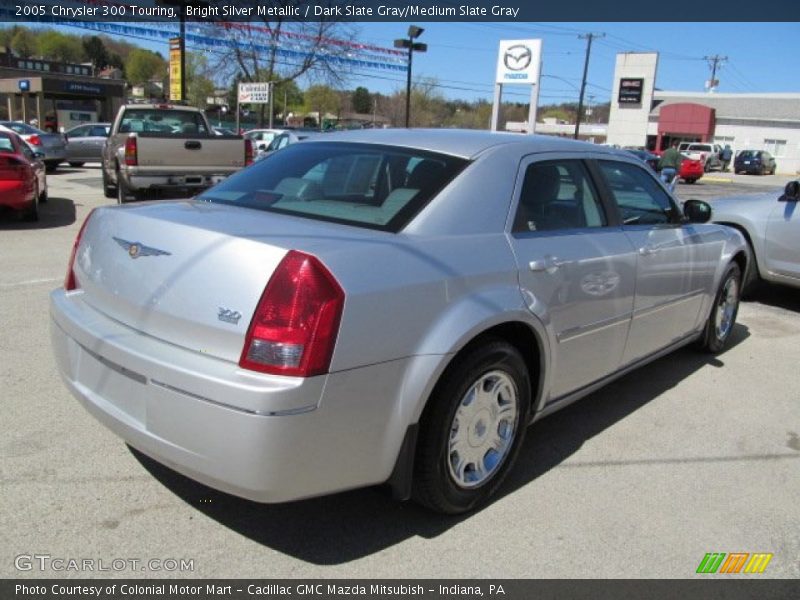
x: 262, y: 147
x: 697, y: 211
x: 791, y: 192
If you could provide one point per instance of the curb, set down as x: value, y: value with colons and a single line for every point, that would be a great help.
x: 717, y: 179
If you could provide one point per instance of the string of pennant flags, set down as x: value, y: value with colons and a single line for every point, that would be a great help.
x: 285, y: 44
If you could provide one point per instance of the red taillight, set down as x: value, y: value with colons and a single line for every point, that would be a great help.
x: 12, y: 169
x: 296, y: 322
x: 248, y: 152
x: 35, y: 140
x: 131, y: 158
x: 70, y: 282
x: 702, y: 156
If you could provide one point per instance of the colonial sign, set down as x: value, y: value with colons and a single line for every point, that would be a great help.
x: 254, y: 93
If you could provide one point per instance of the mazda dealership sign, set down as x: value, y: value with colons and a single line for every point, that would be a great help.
x: 519, y: 61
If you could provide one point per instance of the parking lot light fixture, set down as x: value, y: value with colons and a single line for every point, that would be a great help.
x: 413, y: 33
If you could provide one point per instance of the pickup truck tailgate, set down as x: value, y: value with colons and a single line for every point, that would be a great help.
x: 191, y: 154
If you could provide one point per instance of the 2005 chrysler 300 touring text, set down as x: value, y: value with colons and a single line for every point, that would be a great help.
x: 384, y: 306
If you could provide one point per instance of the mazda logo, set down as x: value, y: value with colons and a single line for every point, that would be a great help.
x: 517, y: 58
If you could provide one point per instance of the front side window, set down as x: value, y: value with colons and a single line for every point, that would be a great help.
x: 78, y: 132
x: 364, y: 185
x: 639, y: 197
x: 557, y: 195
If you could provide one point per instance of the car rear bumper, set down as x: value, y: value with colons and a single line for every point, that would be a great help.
x: 55, y: 154
x: 749, y: 168
x: 173, y: 181
x: 16, y: 195
x: 265, y: 438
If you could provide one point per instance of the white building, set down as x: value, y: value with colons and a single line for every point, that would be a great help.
x: 642, y: 115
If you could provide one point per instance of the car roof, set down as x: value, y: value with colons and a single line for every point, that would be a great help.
x: 465, y: 143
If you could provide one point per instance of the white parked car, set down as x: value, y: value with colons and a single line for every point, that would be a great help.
x: 708, y: 154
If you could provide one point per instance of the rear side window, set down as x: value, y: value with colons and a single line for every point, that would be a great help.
x: 6, y: 145
x: 366, y: 185
x: 557, y: 195
x: 639, y: 197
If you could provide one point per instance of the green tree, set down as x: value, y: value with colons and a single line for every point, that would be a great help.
x: 143, y: 65
x: 54, y: 45
x: 23, y: 43
x: 362, y: 100
x: 95, y: 51
x: 322, y: 99
x: 199, y: 85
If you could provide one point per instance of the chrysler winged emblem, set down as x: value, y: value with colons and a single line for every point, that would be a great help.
x: 517, y: 57
x: 137, y: 249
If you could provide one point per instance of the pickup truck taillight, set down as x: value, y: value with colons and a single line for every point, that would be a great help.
x: 702, y: 156
x: 248, y: 152
x: 296, y: 322
x: 131, y: 158
x: 70, y: 282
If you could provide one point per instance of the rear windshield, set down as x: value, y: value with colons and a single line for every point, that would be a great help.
x: 163, y: 120
x: 699, y: 148
x: 748, y: 154
x: 21, y: 128
x: 377, y: 187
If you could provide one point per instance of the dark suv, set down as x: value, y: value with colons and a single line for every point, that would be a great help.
x: 759, y: 162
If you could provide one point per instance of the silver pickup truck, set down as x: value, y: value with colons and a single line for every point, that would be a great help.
x: 169, y: 149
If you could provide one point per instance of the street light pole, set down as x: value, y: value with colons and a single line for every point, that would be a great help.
x: 413, y: 33
x: 408, y: 83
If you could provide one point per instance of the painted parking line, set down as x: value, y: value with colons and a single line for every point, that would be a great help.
x: 30, y: 282
x: 717, y: 179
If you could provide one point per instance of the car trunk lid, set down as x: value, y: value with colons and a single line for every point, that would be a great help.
x: 189, y: 273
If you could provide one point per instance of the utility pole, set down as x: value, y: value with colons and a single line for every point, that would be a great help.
x: 589, y: 37
x: 714, y: 62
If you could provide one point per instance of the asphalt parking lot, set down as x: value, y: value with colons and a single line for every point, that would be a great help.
x: 689, y: 455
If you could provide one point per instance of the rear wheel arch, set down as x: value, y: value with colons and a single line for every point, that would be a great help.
x: 517, y: 333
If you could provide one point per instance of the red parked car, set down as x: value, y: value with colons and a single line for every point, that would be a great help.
x: 23, y: 181
x: 691, y: 169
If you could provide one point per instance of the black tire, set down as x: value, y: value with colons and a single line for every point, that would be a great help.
x: 109, y: 190
x: 76, y: 165
x: 724, y: 309
x: 43, y: 196
x: 50, y: 167
x: 32, y: 214
x: 493, y: 362
x: 123, y: 194
x: 690, y: 180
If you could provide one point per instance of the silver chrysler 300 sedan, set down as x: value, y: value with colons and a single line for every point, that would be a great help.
x: 384, y: 306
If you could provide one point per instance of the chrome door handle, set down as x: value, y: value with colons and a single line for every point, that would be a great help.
x: 548, y: 263
x: 648, y: 250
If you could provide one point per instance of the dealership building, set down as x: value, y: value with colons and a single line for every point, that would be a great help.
x: 57, y: 94
x: 643, y: 116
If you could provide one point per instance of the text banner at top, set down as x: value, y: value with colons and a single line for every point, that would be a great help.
x: 520, y: 11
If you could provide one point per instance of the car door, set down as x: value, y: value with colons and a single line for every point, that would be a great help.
x: 674, y: 266
x: 95, y: 140
x: 76, y: 143
x: 576, y: 269
x: 782, y: 243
